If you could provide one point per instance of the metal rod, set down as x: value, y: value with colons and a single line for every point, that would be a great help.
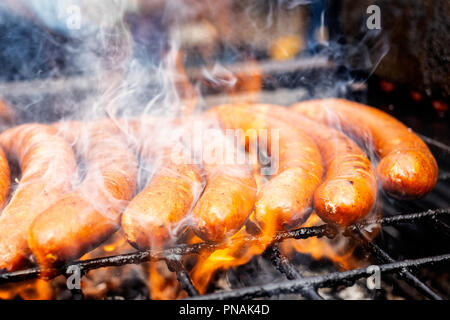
x: 85, y: 83
x: 382, y: 257
x: 281, y: 262
x: 403, y: 218
x: 145, y: 256
x: 175, y: 265
x: 432, y: 142
x: 330, y: 280
x: 441, y: 226
x: 269, y: 67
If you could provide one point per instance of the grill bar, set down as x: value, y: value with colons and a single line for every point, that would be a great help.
x: 383, y: 257
x: 281, y: 262
x: 330, y: 280
x: 86, y: 84
x: 434, y: 143
x: 175, y: 265
x: 406, y: 218
x: 170, y: 253
x: 441, y: 226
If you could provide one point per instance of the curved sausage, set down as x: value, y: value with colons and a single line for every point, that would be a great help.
x: 349, y: 190
x: 407, y: 169
x: 286, y: 200
x: 48, y: 170
x: 88, y: 215
x: 229, y: 195
x: 156, y: 214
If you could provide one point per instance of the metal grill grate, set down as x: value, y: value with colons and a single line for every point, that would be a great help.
x: 296, y: 284
x: 405, y: 269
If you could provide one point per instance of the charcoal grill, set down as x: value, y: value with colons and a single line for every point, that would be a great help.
x: 405, y: 269
x: 306, y: 286
x: 429, y: 215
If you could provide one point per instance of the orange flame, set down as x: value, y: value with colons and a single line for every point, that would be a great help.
x: 32, y: 290
x: 339, y: 250
x: 238, y: 250
x: 163, y: 284
x: 242, y: 247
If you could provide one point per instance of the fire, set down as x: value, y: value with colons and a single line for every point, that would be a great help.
x: 238, y: 250
x: 116, y: 244
x: 98, y: 283
x: 109, y: 248
x: 339, y: 250
x: 242, y: 247
x: 163, y: 284
x: 95, y: 285
x: 32, y: 290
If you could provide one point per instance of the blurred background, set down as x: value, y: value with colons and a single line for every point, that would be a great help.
x: 38, y: 38
x: 224, y: 46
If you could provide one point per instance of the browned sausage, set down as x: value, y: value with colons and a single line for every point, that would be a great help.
x: 349, y: 190
x: 157, y: 214
x: 229, y: 195
x: 89, y: 214
x: 286, y: 200
x: 407, y: 169
x: 48, y: 170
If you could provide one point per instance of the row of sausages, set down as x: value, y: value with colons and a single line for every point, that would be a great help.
x: 58, y: 212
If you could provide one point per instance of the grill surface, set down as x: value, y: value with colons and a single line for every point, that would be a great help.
x: 431, y: 213
x: 296, y: 284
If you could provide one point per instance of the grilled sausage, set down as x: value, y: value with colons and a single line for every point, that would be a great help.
x: 48, y: 169
x: 349, y: 190
x: 229, y: 195
x: 286, y: 200
x: 89, y: 214
x: 407, y: 169
x: 157, y: 213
